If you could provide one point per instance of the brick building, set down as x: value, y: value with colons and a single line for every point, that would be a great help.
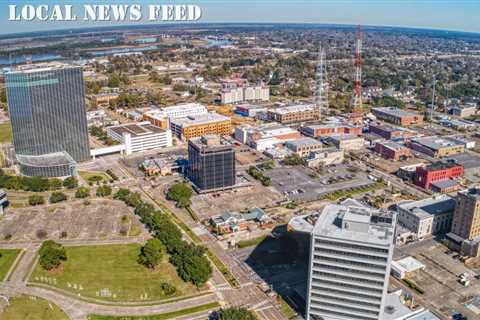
x: 393, y: 151
x: 438, y: 171
x: 316, y: 131
x: 398, y: 116
x: 295, y: 113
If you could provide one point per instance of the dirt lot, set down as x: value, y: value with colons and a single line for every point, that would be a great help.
x: 101, y: 219
x: 207, y: 205
x: 439, y: 280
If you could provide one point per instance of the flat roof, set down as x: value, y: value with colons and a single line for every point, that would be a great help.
x: 438, y: 204
x: 443, y: 184
x: 392, y: 145
x: 345, y: 137
x: 41, y: 67
x: 136, y: 129
x: 356, y: 224
x: 199, y: 119
x: 304, y: 142
x: 436, y: 143
x: 395, y: 112
x: 294, y: 108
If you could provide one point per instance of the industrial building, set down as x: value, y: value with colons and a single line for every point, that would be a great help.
x: 437, y: 147
x: 325, y: 157
x: 198, y: 125
x: 265, y: 136
x: 391, y: 133
x: 48, y: 116
x: 138, y: 137
x: 211, y: 164
x: 249, y: 110
x: 398, y: 116
x: 392, y: 150
x: 347, y: 142
x: 427, y: 217
x: 304, y: 146
x: 425, y: 176
x: 350, y: 258
x: 326, y: 130
x: 294, y: 113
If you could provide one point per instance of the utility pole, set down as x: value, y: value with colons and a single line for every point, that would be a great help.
x: 321, y: 90
x: 433, y: 98
x: 357, y: 90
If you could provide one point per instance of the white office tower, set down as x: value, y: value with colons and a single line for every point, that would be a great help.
x: 351, y: 252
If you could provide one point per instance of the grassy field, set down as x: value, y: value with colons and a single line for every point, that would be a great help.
x: 163, y: 316
x: 112, y: 273
x: 251, y: 242
x: 86, y: 175
x: 32, y: 308
x: 7, y: 257
x: 5, y: 132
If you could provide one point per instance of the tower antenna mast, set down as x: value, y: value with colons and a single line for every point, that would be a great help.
x: 357, y: 90
x: 321, y: 90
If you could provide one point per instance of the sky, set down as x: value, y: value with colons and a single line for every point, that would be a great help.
x: 458, y: 15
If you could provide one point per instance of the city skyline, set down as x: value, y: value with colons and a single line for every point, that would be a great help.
x: 425, y: 14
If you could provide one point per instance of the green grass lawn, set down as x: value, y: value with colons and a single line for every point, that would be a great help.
x: 5, y: 132
x: 163, y: 316
x: 7, y: 257
x: 32, y: 308
x: 86, y: 175
x: 111, y: 272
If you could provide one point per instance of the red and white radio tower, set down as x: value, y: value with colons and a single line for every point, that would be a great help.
x: 357, y: 91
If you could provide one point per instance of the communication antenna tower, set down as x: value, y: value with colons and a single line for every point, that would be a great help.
x: 357, y: 90
x: 321, y: 90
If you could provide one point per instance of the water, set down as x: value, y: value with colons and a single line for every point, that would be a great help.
x: 102, y: 53
x: 218, y: 43
x: 5, y: 60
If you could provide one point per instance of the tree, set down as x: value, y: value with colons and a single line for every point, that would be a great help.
x: 56, y: 197
x: 151, y: 253
x: 180, y: 193
x: 104, y: 191
x: 51, y: 254
x: 82, y: 193
x: 235, y: 313
x: 35, y: 200
x: 70, y: 183
x: 121, y: 194
x: 191, y: 263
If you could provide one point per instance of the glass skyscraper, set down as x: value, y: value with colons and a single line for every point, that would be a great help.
x: 48, y: 115
x: 211, y: 165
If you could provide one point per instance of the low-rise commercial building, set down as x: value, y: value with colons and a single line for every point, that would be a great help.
x: 105, y: 98
x: 463, y: 111
x: 438, y: 171
x: 265, y: 136
x: 347, y: 142
x: 437, y: 147
x: 427, y: 217
x: 326, y: 130
x: 139, y: 137
x: 325, y: 157
x: 393, y: 151
x: 398, y: 116
x: 249, y: 110
x: 391, y: 133
x: 200, y: 125
x: 304, y: 146
x: 294, y: 113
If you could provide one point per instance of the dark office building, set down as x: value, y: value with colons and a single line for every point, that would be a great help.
x: 48, y: 114
x: 211, y: 164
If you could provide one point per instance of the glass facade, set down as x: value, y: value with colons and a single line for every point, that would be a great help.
x: 48, y: 113
x: 211, y: 169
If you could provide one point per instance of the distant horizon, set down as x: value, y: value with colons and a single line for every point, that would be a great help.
x: 102, y: 28
x: 444, y: 15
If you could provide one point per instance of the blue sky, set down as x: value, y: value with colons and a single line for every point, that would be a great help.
x: 462, y: 15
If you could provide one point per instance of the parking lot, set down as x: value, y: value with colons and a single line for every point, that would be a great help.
x: 302, y: 184
x: 440, y: 279
x: 101, y: 219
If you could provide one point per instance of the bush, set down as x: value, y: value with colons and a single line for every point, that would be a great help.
x: 56, y: 197
x: 168, y: 289
x: 35, y: 200
x: 180, y: 193
x: 151, y: 253
x: 51, y: 255
x: 235, y: 313
x: 294, y: 160
x: 82, y: 193
x: 70, y: 183
x: 41, y: 234
x: 55, y: 184
x: 104, y: 191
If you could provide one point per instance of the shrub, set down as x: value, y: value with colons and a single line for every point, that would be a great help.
x: 70, y: 183
x: 168, y: 289
x: 56, y: 197
x: 104, y: 191
x: 51, y: 255
x: 235, y: 313
x: 35, y: 200
x: 82, y: 192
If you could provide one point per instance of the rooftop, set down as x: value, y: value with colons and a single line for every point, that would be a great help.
x: 46, y: 160
x: 294, y: 108
x: 395, y: 112
x: 136, y: 129
x: 436, y: 143
x: 41, y: 67
x: 345, y: 137
x: 392, y: 145
x: 303, y: 142
x: 199, y: 119
x: 441, y: 165
x: 430, y: 206
x: 358, y: 224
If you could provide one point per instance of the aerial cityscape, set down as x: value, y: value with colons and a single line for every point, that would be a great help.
x: 240, y: 171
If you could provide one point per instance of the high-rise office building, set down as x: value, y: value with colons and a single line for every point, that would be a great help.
x: 48, y: 115
x: 466, y: 218
x: 211, y: 164
x: 350, y: 257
